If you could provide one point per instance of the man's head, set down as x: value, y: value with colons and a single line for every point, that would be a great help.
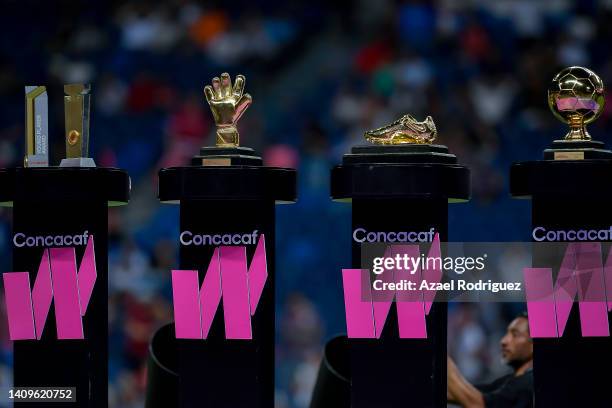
x: 516, y: 345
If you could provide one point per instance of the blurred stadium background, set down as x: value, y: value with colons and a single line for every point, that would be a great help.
x: 321, y: 73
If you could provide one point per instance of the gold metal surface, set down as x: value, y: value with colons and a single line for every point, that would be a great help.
x: 568, y: 155
x: 76, y: 114
x: 576, y: 97
x: 405, y: 130
x: 227, y: 104
x: 73, y: 137
x: 217, y: 162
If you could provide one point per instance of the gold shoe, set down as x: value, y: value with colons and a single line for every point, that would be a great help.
x: 405, y: 130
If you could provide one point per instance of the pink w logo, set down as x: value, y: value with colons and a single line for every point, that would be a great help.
x: 227, y: 278
x: 366, y: 313
x: 57, y: 280
x: 581, y: 274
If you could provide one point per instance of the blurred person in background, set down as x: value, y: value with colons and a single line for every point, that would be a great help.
x: 513, y: 390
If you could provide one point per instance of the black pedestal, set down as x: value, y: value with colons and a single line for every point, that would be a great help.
x: 64, y: 202
x: 399, y: 188
x: 333, y: 388
x: 569, y: 371
x: 162, y: 366
x: 218, y: 200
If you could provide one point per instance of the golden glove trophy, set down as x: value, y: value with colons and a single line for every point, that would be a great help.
x: 227, y: 104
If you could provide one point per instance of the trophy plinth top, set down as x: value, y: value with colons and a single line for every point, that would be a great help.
x: 562, y: 179
x: 227, y: 156
x: 399, y: 154
x: 177, y: 184
x: 402, y: 171
x: 40, y: 184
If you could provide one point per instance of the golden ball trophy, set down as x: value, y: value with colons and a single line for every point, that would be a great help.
x: 576, y: 97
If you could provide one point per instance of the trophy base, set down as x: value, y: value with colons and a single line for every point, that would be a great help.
x: 408, y: 153
x: 227, y: 156
x: 227, y: 183
x: 36, y: 160
x: 410, y: 170
x: 577, y: 150
x: 78, y: 162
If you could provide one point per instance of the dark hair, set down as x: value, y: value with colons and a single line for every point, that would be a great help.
x: 524, y: 315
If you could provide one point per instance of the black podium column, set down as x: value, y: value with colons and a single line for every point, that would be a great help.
x: 569, y: 371
x: 379, y: 368
x: 63, y: 208
x: 227, y: 201
x: 399, y: 188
